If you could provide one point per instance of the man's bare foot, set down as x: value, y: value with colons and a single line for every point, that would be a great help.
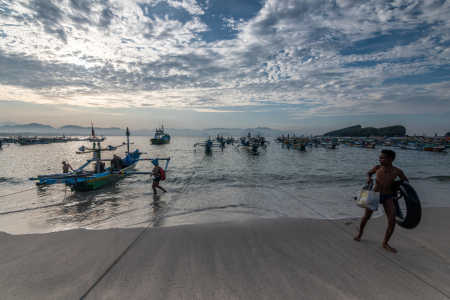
x: 357, y: 238
x: 389, y: 248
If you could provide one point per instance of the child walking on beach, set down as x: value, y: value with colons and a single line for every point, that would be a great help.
x: 386, y: 173
x: 157, y: 173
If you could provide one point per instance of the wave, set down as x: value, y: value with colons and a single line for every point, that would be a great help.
x: 440, y: 178
x: 11, y: 180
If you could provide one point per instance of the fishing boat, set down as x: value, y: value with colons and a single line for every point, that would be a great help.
x: 33, y: 141
x: 252, y: 144
x: 209, y: 144
x: 87, y: 180
x: 160, y: 137
x: 96, y: 139
x: 329, y: 145
x: 411, y: 147
x: 434, y: 148
x: 354, y: 144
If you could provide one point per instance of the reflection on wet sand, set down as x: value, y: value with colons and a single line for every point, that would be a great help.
x: 157, y: 206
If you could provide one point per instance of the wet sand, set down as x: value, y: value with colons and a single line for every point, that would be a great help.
x: 280, y: 258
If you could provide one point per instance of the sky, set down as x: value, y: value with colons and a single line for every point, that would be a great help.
x: 307, y: 65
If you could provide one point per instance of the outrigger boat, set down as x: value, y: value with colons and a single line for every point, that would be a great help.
x: 209, y: 144
x: 434, y: 149
x: 83, y: 180
x: 253, y: 143
x: 160, y: 137
x: 222, y: 141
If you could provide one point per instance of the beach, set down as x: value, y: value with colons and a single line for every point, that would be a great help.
x: 261, y: 258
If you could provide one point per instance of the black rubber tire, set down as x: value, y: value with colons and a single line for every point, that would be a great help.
x: 413, y: 207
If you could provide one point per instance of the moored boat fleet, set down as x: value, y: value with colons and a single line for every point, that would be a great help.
x: 407, y: 143
x: 37, y: 140
x: 83, y: 179
x: 248, y: 142
x: 25, y: 141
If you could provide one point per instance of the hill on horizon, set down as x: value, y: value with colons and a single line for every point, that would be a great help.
x: 75, y: 130
x: 358, y: 131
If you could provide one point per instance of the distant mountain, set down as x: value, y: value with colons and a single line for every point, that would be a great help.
x: 33, y: 127
x: 340, y: 131
x: 358, y: 131
x: 74, y: 130
x: 72, y: 127
x: 40, y: 129
x: 7, y: 123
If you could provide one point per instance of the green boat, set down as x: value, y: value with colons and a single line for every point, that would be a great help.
x: 160, y: 137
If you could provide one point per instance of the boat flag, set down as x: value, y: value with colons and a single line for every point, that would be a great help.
x: 93, y: 134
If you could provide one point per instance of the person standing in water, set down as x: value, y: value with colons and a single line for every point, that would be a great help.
x: 66, y: 167
x: 157, y: 179
x: 386, y: 173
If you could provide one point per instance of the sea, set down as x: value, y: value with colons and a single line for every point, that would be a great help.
x: 225, y: 185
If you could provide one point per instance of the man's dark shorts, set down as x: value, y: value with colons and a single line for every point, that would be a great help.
x: 157, y: 178
x: 385, y: 197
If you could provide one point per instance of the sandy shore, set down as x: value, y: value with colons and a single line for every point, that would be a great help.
x: 280, y: 258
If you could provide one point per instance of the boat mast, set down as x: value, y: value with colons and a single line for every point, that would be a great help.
x: 128, y: 140
x: 96, y: 155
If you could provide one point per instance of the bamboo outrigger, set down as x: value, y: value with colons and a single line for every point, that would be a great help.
x: 252, y: 144
x: 83, y: 180
x: 209, y: 144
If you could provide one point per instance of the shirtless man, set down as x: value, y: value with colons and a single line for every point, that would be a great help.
x: 157, y: 178
x: 116, y: 162
x: 386, y: 174
x: 66, y: 167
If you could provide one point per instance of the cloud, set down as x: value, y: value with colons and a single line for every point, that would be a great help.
x: 328, y: 57
x: 209, y: 110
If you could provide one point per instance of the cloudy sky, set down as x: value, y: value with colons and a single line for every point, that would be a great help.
x: 304, y: 65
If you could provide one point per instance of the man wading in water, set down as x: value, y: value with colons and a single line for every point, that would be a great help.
x: 66, y: 167
x: 157, y: 179
x: 386, y: 174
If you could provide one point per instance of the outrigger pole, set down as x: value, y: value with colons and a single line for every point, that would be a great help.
x: 137, y: 172
x: 167, y: 163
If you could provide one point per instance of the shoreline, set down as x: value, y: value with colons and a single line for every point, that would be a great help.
x: 253, y: 258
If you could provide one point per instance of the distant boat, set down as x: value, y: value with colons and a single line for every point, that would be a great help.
x: 160, y: 137
x: 434, y: 149
x: 208, y: 144
x: 96, y: 139
x: 411, y: 147
x: 369, y: 146
x: 252, y: 144
x: 329, y: 145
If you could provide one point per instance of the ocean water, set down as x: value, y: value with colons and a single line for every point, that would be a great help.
x: 232, y: 184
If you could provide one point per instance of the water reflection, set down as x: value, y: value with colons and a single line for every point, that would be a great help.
x: 157, y: 204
